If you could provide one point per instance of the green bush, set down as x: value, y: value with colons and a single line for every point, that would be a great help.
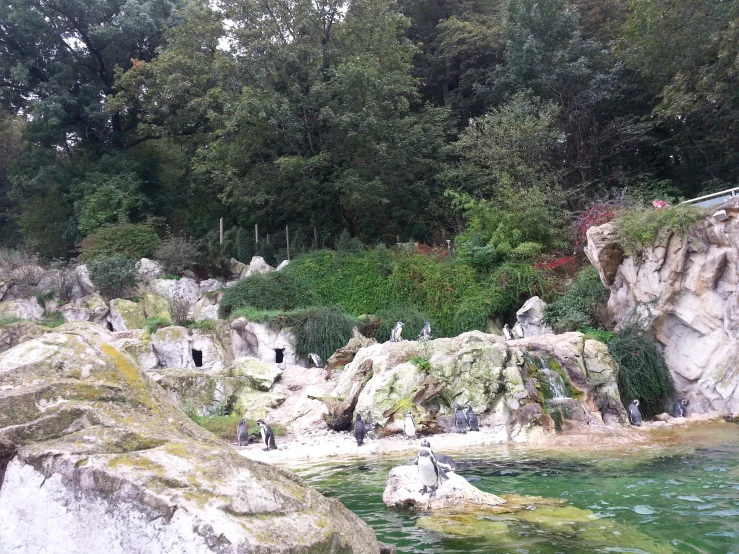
x: 153, y: 324
x: 207, y: 325
x: 277, y: 290
x: 136, y: 241
x: 176, y: 253
x: 512, y: 283
x: 639, y: 228
x: 471, y: 315
x: 643, y: 373
x: 601, y: 335
x: 583, y: 305
x: 413, y: 321
x: 321, y: 330
x: 113, y: 273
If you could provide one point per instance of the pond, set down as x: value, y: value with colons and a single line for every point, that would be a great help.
x: 680, y: 494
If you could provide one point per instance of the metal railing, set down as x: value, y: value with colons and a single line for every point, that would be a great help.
x: 712, y: 199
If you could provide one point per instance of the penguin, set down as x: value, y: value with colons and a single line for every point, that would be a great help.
x: 425, y: 333
x: 517, y: 331
x: 396, y: 332
x: 460, y: 421
x: 634, y: 413
x: 507, y: 332
x: 268, y: 437
x: 409, y: 428
x: 242, y: 433
x: 359, y: 430
x: 472, y: 423
x: 445, y: 462
x: 429, y: 471
x: 680, y: 409
x: 315, y: 359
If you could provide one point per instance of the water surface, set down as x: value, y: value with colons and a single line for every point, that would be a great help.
x: 678, y: 495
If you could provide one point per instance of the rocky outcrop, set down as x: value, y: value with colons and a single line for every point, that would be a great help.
x: 22, y: 308
x: 185, y: 288
x: 89, y: 308
x: 346, y: 354
x: 92, y: 448
x: 180, y: 347
x: 684, y: 290
x: 125, y: 315
x: 149, y: 269
x: 17, y: 333
x: 502, y: 381
x: 259, y: 340
x: 531, y: 317
x: 402, y: 491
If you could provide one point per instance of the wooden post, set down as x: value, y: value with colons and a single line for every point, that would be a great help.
x: 256, y: 233
x: 315, y: 237
x: 268, y: 239
x: 221, y: 229
x: 287, y: 237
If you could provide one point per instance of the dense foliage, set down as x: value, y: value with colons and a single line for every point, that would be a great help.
x: 582, y: 306
x: 638, y: 229
x: 113, y: 274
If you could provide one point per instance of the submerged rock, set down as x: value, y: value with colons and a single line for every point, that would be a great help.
x: 403, y: 486
x: 93, y: 449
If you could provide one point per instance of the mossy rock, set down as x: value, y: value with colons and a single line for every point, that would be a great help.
x: 255, y: 404
x: 256, y: 374
x: 130, y: 314
x: 155, y: 306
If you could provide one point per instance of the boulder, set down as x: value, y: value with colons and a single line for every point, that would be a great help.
x: 255, y: 404
x: 180, y: 347
x: 210, y: 285
x: 149, y: 269
x: 204, y: 393
x: 346, y: 354
x: 531, y: 317
x: 238, y: 269
x: 257, y: 266
x: 402, y: 491
x: 22, y: 308
x: 256, y: 374
x: 17, y: 333
x: 184, y: 288
x: 88, y: 308
x: 95, y: 458
x: 283, y: 264
x: 125, y: 315
x: 83, y: 285
x: 155, y: 306
x: 139, y: 349
x: 206, y: 307
x: 259, y: 340
x: 684, y: 291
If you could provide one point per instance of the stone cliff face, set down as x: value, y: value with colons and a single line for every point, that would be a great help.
x: 686, y: 291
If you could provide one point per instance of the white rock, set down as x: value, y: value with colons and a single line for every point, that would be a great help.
x: 149, y: 269
x: 259, y: 340
x: 185, y: 288
x: 210, y: 285
x: 23, y: 308
x: 258, y: 266
x: 283, y: 265
x: 83, y: 285
x: 531, y: 317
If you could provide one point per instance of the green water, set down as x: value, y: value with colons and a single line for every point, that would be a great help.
x: 681, y: 495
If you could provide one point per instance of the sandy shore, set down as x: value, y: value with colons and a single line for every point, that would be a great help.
x: 323, y: 445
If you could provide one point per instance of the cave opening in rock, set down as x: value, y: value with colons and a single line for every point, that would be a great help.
x: 279, y: 355
x: 109, y: 326
x: 197, y: 357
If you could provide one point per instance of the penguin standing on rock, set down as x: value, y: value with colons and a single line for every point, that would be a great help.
x: 409, y: 428
x: 635, y: 414
x: 396, y: 332
x: 460, y: 421
x: 517, y: 331
x: 268, y: 437
x: 680, y: 409
x: 425, y: 333
x: 472, y: 423
x: 445, y: 462
x: 507, y: 332
x: 242, y: 433
x: 429, y: 472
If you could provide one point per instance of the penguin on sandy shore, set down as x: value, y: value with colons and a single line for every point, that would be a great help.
x: 268, y: 437
x: 409, y: 427
x: 361, y: 429
x: 242, y: 433
x: 472, y: 423
x: 460, y: 421
x: 635, y: 414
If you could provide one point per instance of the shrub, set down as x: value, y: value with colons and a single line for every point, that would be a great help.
x: 471, y: 315
x: 271, y: 291
x: 511, y: 284
x: 601, y: 335
x: 65, y: 280
x: 643, y: 373
x: 584, y: 305
x: 176, y: 253
x: 639, y: 228
x: 113, y: 273
x: 348, y: 244
x: 413, y: 321
x: 321, y: 330
x: 136, y: 241
x: 153, y: 324
x: 11, y: 259
x: 207, y: 325
x: 179, y: 309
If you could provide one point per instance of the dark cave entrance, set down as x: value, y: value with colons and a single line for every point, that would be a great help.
x: 197, y: 357
x: 279, y: 355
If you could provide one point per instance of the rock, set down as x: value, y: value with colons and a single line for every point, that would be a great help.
x: 125, y: 315
x: 180, y: 347
x: 88, y: 308
x: 684, y: 291
x: 257, y: 266
x: 255, y: 404
x: 140, y: 350
x: 258, y: 340
x: 155, y: 306
x: 257, y: 375
x: 22, y: 282
x: 114, y: 467
x: 238, y: 269
x: 22, y: 308
x: 346, y: 354
x: 531, y: 317
x: 184, y: 288
x: 456, y: 493
x: 83, y: 285
x: 17, y: 333
x: 206, y: 307
x: 149, y: 269
x: 210, y: 285
x: 202, y: 392
x: 283, y: 265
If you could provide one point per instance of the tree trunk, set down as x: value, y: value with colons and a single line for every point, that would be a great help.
x: 340, y: 412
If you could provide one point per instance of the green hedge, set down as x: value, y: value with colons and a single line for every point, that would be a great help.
x: 272, y: 291
x: 136, y: 241
x: 583, y: 305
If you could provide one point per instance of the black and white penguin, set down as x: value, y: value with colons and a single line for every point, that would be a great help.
x: 268, y: 437
x: 429, y: 471
x: 460, y: 421
x: 680, y: 409
x: 409, y: 427
x: 315, y: 359
x: 425, y: 333
x: 517, y: 331
x: 472, y: 423
x: 445, y: 462
x: 634, y: 413
x: 395, y: 334
x: 507, y: 332
x: 242, y: 433
x: 361, y: 429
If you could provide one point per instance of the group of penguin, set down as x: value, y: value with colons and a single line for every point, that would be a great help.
x: 397, y: 331
x: 268, y: 436
x: 679, y: 409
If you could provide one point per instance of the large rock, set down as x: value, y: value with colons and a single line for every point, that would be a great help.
x: 257, y: 266
x: 184, y: 288
x: 180, y: 347
x: 531, y: 317
x: 95, y: 458
x: 260, y: 340
x: 346, y: 354
x: 17, y: 333
x: 206, y: 307
x: 256, y: 374
x: 149, y: 269
x: 155, y: 306
x: 22, y: 308
x: 402, y: 491
x: 88, y: 308
x: 83, y: 285
x: 685, y: 290
x: 125, y: 315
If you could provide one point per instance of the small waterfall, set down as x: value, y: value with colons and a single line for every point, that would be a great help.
x: 555, y: 384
